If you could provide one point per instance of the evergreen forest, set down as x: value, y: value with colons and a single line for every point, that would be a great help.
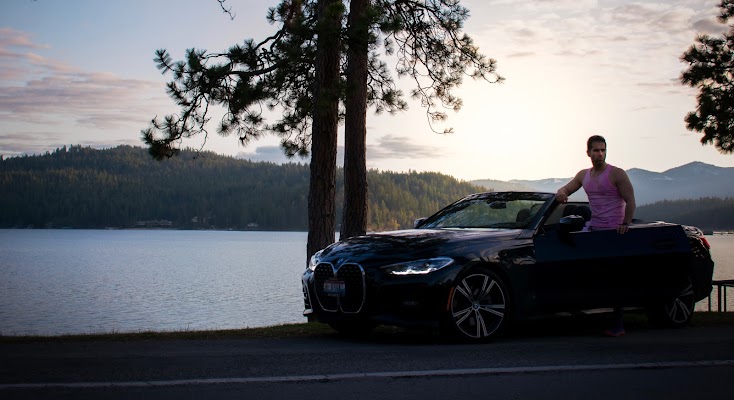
x: 123, y: 187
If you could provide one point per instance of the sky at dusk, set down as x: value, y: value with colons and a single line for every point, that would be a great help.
x: 82, y: 72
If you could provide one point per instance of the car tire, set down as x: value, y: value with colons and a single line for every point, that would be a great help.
x: 479, y: 307
x: 675, y: 313
x: 353, y: 328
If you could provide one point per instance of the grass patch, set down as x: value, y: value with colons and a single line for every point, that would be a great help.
x: 712, y: 318
x: 277, y: 331
x: 314, y: 329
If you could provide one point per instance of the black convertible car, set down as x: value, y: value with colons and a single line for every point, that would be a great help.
x: 493, y: 258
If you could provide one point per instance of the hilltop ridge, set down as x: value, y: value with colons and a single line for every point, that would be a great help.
x: 690, y: 181
x: 123, y: 187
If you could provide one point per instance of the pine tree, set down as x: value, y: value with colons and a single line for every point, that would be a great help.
x: 285, y: 72
x: 710, y: 70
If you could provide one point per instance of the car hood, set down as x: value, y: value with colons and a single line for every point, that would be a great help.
x: 385, y: 248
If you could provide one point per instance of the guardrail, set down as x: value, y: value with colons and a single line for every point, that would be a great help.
x: 721, y: 286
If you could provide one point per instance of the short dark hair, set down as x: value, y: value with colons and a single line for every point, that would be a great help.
x: 594, y: 139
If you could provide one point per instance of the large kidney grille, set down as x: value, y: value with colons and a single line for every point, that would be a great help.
x: 354, y: 295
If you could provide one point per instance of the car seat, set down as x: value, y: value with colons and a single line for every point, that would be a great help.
x: 584, y: 212
x: 522, y: 215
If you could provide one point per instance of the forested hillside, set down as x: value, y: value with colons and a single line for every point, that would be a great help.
x: 708, y: 213
x: 123, y: 187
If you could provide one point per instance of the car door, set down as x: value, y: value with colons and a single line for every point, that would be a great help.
x: 569, y: 270
x: 581, y: 270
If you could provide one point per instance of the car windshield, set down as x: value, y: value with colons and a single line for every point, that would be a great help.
x: 488, y: 212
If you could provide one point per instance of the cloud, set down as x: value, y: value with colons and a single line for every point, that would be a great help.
x: 92, y: 99
x: 273, y: 154
x: 36, y: 89
x: 627, y: 41
x: 387, y: 147
x: 521, y: 54
x: 709, y: 26
x: 42, y: 99
x: 18, y: 59
x: 544, y: 4
x: 28, y: 143
x: 400, y: 147
x: 10, y: 37
x: 580, y: 27
x: 19, y: 143
x: 580, y: 53
x: 653, y: 19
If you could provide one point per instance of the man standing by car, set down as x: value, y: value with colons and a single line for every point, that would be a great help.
x: 610, y: 192
x: 611, y: 199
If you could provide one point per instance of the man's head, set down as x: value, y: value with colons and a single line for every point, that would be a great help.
x: 595, y: 139
x: 596, y: 149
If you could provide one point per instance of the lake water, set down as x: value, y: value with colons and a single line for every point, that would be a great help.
x: 56, y: 282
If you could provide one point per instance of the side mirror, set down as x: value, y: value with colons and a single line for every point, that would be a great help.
x: 418, y: 222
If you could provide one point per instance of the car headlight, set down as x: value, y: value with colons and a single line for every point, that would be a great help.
x: 418, y: 267
x: 314, y: 260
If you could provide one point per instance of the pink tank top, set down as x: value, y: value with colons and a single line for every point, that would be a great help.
x: 607, y: 206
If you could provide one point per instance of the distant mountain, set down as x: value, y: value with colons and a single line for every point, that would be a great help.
x: 689, y: 181
x: 123, y: 187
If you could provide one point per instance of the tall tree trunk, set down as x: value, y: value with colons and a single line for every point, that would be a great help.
x: 322, y: 192
x: 354, y: 217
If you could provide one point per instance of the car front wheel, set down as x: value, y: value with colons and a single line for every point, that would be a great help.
x: 479, y: 306
x: 677, y: 312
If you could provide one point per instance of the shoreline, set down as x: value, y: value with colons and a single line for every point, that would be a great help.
x: 634, y: 320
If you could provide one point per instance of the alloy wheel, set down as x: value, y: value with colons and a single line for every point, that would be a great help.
x: 680, y: 309
x: 479, y: 305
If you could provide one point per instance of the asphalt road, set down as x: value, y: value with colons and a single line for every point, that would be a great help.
x: 567, y: 363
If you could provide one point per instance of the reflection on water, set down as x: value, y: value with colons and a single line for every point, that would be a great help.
x: 85, y: 281
x: 81, y: 281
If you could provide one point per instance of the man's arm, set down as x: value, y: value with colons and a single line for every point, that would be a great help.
x: 571, y: 187
x: 627, y: 192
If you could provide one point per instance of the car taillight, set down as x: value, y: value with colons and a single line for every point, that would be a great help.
x: 705, y: 242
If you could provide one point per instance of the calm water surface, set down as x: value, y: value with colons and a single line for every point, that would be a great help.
x: 56, y: 282
x: 82, y: 281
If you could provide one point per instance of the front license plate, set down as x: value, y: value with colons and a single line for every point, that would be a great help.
x: 334, y: 287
